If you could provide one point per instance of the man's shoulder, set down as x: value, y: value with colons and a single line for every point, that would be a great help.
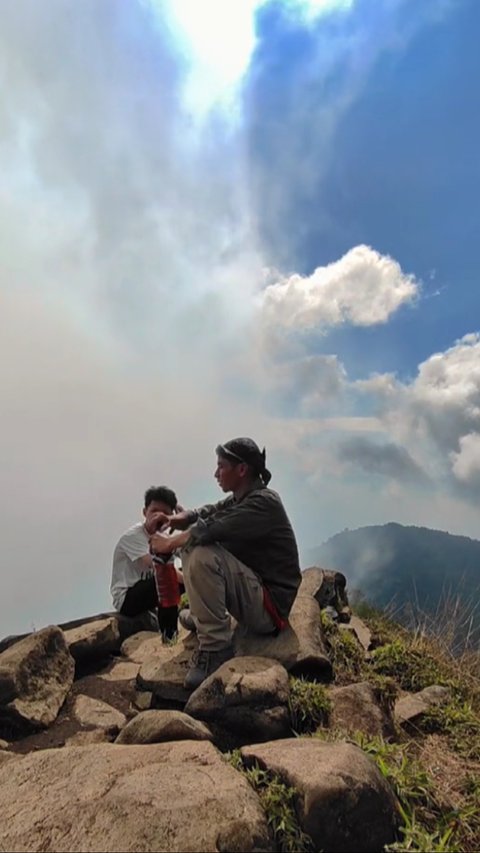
x: 135, y: 532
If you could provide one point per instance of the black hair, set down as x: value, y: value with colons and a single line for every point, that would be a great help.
x: 162, y: 494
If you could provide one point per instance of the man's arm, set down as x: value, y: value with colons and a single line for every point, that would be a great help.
x: 249, y: 519
x: 182, y: 520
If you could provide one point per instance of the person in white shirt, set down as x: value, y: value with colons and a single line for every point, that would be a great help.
x: 133, y: 585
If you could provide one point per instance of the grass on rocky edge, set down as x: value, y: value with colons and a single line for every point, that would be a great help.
x: 278, y: 802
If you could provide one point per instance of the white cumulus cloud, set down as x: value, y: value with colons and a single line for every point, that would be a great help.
x: 363, y: 288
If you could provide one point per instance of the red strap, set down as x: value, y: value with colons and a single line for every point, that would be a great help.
x: 269, y: 606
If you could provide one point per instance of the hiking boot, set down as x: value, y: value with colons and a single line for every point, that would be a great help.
x: 203, y: 663
x: 186, y: 620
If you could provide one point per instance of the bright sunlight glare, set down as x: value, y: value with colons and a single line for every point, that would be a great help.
x: 218, y: 38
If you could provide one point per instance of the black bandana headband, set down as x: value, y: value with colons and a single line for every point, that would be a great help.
x: 247, y: 451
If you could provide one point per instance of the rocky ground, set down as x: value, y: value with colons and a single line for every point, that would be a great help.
x: 340, y: 734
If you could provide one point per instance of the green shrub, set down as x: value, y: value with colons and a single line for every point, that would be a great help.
x: 412, y: 668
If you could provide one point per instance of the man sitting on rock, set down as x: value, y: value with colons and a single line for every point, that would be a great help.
x: 133, y: 587
x: 240, y: 557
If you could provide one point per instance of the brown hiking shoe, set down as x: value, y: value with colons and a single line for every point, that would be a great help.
x: 203, y: 663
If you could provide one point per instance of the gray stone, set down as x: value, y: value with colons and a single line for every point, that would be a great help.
x: 96, y: 714
x: 360, y: 631
x: 108, y: 797
x: 246, y: 695
x: 343, y: 802
x: 412, y: 707
x: 300, y: 648
x: 35, y: 676
x: 356, y: 708
x: 159, y: 726
x: 94, y: 639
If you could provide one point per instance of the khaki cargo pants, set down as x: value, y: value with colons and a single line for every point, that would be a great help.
x: 219, y: 586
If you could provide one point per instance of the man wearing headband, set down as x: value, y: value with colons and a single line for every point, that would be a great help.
x: 240, y: 558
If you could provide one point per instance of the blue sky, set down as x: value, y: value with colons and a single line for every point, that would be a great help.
x: 257, y: 222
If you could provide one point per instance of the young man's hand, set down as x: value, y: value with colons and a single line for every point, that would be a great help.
x: 161, y: 544
x: 156, y: 520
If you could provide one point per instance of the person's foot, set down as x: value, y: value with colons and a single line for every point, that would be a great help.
x: 186, y: 620
x: 203, y: 663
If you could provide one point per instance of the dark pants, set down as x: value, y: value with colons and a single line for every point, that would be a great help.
x: 143, y: 596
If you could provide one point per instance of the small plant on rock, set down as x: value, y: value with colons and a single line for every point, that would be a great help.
x: 412, y: 668
x: 346, y: 654
x: 309, y: 704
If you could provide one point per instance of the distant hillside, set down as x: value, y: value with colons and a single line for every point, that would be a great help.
x: 405, y: 564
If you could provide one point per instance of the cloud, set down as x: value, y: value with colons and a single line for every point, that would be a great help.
x: 386, y: 459
x: 466, y: 463
x: 363, y: 288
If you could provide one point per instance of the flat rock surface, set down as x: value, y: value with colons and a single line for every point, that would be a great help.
x: 170, y: 797
x: 97, y: 714
x: 344, y: 803
x: 158, y: 726
x: 147, y: 645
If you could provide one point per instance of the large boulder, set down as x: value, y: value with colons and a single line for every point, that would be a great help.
x: 247, y: 697
x: 356, y: 708
x: 93, y: 713
x: 36, y: 675
x: 300, y: 648
x: 343, y: 802
x: 94, y: 640
x: 169, y: 797
x: 158, y: 726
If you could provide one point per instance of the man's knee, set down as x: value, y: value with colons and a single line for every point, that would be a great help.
x: 198, y: 558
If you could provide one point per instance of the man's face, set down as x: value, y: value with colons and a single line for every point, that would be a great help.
x: 154, y: 507
x: 229, y: 476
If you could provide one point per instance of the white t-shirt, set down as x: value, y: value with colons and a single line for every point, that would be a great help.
x: 126, y: 570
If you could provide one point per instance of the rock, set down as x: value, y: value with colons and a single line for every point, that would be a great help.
x: 147, y: 645
x: 144, y: 645
x: 344, y: 803
x: 97, y: 714
x: 356, y: 708
x: 142, y: 700
x: 5, y: 757
x: 328, y: 587
x: 169, y: 797
x: 35, y: 676
x: 93, y: 736
x: 247, y: 696
x: 120, y: 671
x: 4, y: 744
x: 158, y: 726
x: 94, y: 639
x: 300, y: 648
x: 411, y: 707
x: 362, y: 633
x: 165, y: 678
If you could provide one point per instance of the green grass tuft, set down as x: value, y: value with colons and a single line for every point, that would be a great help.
x: 309, y: 704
